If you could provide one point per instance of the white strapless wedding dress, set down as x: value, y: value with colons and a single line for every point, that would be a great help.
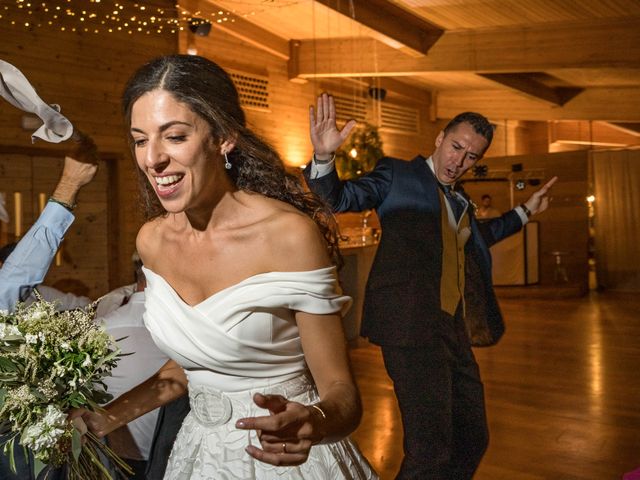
x: 239, y: 341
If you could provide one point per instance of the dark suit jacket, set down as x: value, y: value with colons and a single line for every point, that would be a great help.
x: 402, y: 299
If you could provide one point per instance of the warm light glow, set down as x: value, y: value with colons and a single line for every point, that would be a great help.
x: 136, y: 17
x: 591, y: 198
x: 192, y: 51
x: 353, y: 153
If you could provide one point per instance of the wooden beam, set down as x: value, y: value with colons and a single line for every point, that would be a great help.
x: 390, y: 20
x: 590, y: 133
x: 628, y: 128
x: 238, y: 27
x: 533, y: 88
x: 394, y: 88
x: 599, y: 44
x: 416, y: 94
x: 620, y: 104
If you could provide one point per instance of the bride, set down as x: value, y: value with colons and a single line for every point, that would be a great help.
x: 242, y: 291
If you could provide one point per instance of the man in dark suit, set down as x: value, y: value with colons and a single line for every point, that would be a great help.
x: 429, y: 293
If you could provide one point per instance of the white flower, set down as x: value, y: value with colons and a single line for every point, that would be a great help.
x: 6, y: 330
x: 54, y: 417
x: 40, y: 436
x: 87, y: 361
x: 38, y: 315
x: 65, y: 346
x: 30, y: 339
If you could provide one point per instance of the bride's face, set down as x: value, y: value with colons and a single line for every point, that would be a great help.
x: 174, y: 148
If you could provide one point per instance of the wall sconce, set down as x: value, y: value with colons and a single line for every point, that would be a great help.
x: 199, y: 26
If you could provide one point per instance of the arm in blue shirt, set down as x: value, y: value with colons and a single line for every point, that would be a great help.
x: 28, y: 264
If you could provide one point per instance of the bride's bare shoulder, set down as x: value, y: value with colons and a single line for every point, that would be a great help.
x: 150, y: 238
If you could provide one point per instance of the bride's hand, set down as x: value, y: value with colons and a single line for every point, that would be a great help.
x: 287, y: 435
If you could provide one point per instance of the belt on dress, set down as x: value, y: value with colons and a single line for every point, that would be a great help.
x: 213, y: 407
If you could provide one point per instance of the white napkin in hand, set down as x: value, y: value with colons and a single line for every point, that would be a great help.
x: 16, y: 89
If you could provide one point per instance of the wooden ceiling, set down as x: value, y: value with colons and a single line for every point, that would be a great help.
x: 510, y: 59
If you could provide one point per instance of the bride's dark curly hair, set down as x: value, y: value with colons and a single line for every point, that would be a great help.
x: 256, y: 167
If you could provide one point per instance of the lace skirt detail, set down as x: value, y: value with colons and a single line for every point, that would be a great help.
x: 210, y: 447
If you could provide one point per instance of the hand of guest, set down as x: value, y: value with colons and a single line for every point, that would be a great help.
x: 539, y: 201
x: 80, y: 166
x: 84, y: 148
x: 325, y: 136
x: 287, y: 434
x: 95, y: 422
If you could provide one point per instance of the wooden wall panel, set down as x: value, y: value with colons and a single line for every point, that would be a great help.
x: 285, y: 125
x: 85, y: 73
x: 82, y: 264
x: 564, y: 226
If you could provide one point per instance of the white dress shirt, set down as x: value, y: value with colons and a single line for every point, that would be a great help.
x: 126, y: 325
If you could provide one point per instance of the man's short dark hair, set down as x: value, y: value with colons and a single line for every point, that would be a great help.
x: 480, y: 124
x: 6, y: 250
x: 486, y: 195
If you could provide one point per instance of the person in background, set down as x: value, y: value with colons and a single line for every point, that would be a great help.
x: 241, y: 292
x: 429, y: 292
x: 29, y: 262
x: 64, y: 301
x: 486, y: 210
x: 132, y: 442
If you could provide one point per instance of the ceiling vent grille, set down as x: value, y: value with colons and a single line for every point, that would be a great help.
x: 252, y: 89
x: 350, y: 108
x: 399, y: 119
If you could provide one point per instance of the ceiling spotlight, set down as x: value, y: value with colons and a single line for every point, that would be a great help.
x: 520, y: 184
x: 199, y: 26
x: 377, y: 93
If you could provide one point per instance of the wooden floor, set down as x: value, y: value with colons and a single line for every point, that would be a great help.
x: 562, y: 390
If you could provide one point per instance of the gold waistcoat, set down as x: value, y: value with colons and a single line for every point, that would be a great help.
x: 454, y: 238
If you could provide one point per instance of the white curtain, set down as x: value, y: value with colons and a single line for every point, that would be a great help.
x: 616, y: 176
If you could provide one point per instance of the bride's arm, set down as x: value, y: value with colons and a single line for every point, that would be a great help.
x: 287, y: 435
x: 168, y: 384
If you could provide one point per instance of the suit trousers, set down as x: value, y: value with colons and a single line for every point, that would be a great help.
x: 441, y: 400
x: 167, y: 426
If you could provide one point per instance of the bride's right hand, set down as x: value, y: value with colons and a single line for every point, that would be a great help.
x: 286, y: 435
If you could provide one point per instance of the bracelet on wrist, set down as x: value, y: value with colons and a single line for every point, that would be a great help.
x: 321, y: 417
x: 330, y: 159
x: 319, y: 410
x: 66, y: 205
x: 526, y: 211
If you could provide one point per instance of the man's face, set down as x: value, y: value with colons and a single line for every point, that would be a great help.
x: 456, y: 152
x: 486, y: 201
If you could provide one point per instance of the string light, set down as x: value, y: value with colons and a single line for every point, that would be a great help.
x: 110, y: 16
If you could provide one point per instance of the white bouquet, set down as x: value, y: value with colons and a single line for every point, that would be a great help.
x: 51, y: 362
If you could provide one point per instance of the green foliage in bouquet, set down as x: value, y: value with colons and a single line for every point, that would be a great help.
x: 365, y: 142
x: 51, y: 362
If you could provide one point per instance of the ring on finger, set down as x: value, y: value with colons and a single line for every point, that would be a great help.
x: 284, y: 448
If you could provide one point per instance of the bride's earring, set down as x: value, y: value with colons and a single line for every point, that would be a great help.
x: 227, y: 163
